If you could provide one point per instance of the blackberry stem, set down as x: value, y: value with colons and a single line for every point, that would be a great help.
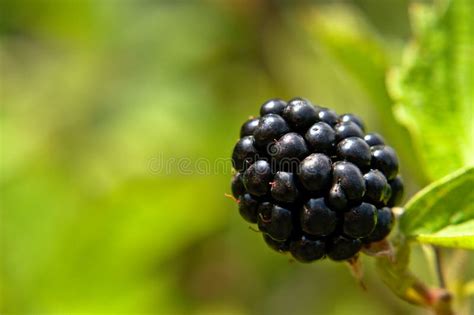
x: 439, y: 267
x: 393, y: 268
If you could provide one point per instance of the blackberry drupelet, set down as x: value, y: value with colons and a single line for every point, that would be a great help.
x: 283, y: 188
x: 321, y: 137
x: 313, y: 181
x: 249, y: 127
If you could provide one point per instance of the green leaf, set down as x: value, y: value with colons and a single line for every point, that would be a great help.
x: 433, y: 89
x: 458, y: 236
x: 364, y: 56
x: 443, y: 212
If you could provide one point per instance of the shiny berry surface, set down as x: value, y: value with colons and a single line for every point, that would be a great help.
x: 314, y: 182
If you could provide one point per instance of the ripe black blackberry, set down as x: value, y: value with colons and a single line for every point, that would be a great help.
x: 314, y: 183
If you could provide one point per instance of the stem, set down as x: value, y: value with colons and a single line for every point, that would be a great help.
x: 393, y: 268
x: 439, y: 268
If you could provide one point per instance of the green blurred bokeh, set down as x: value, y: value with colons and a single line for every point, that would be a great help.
x: 93, y: 93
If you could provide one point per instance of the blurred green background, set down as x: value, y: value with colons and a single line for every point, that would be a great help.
x: 94, y: 92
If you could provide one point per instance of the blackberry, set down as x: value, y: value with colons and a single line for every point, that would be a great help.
x: 290, y: 146
x: 275, y: 221
x: 283, y: 188
x: 343, y: 248
x: 336, y: 198
x: 248, y: 207
x: 385, y: 159
x: 321, y: 137
x: 374, y: 139
x: 383, y: 226
x: 276, y: 245
x: 328, y: 116
x: 355, y: 150
x: 360, y: 221
x: 378, y: 191
x: 315, y: 172
x: 249, y: 127
x: 270, y: 127
x: 396, y: 186
x: 300, y: 115
x: 317, y: 218
x: 348, y: 129
x: 304, y: 249
x: 349, y: 178
x: 314, y: 183
x: 257, y: 178
x: 244, y: 153
x: 237, y: 185
x: 273, y: 106
x: 353, y: 118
